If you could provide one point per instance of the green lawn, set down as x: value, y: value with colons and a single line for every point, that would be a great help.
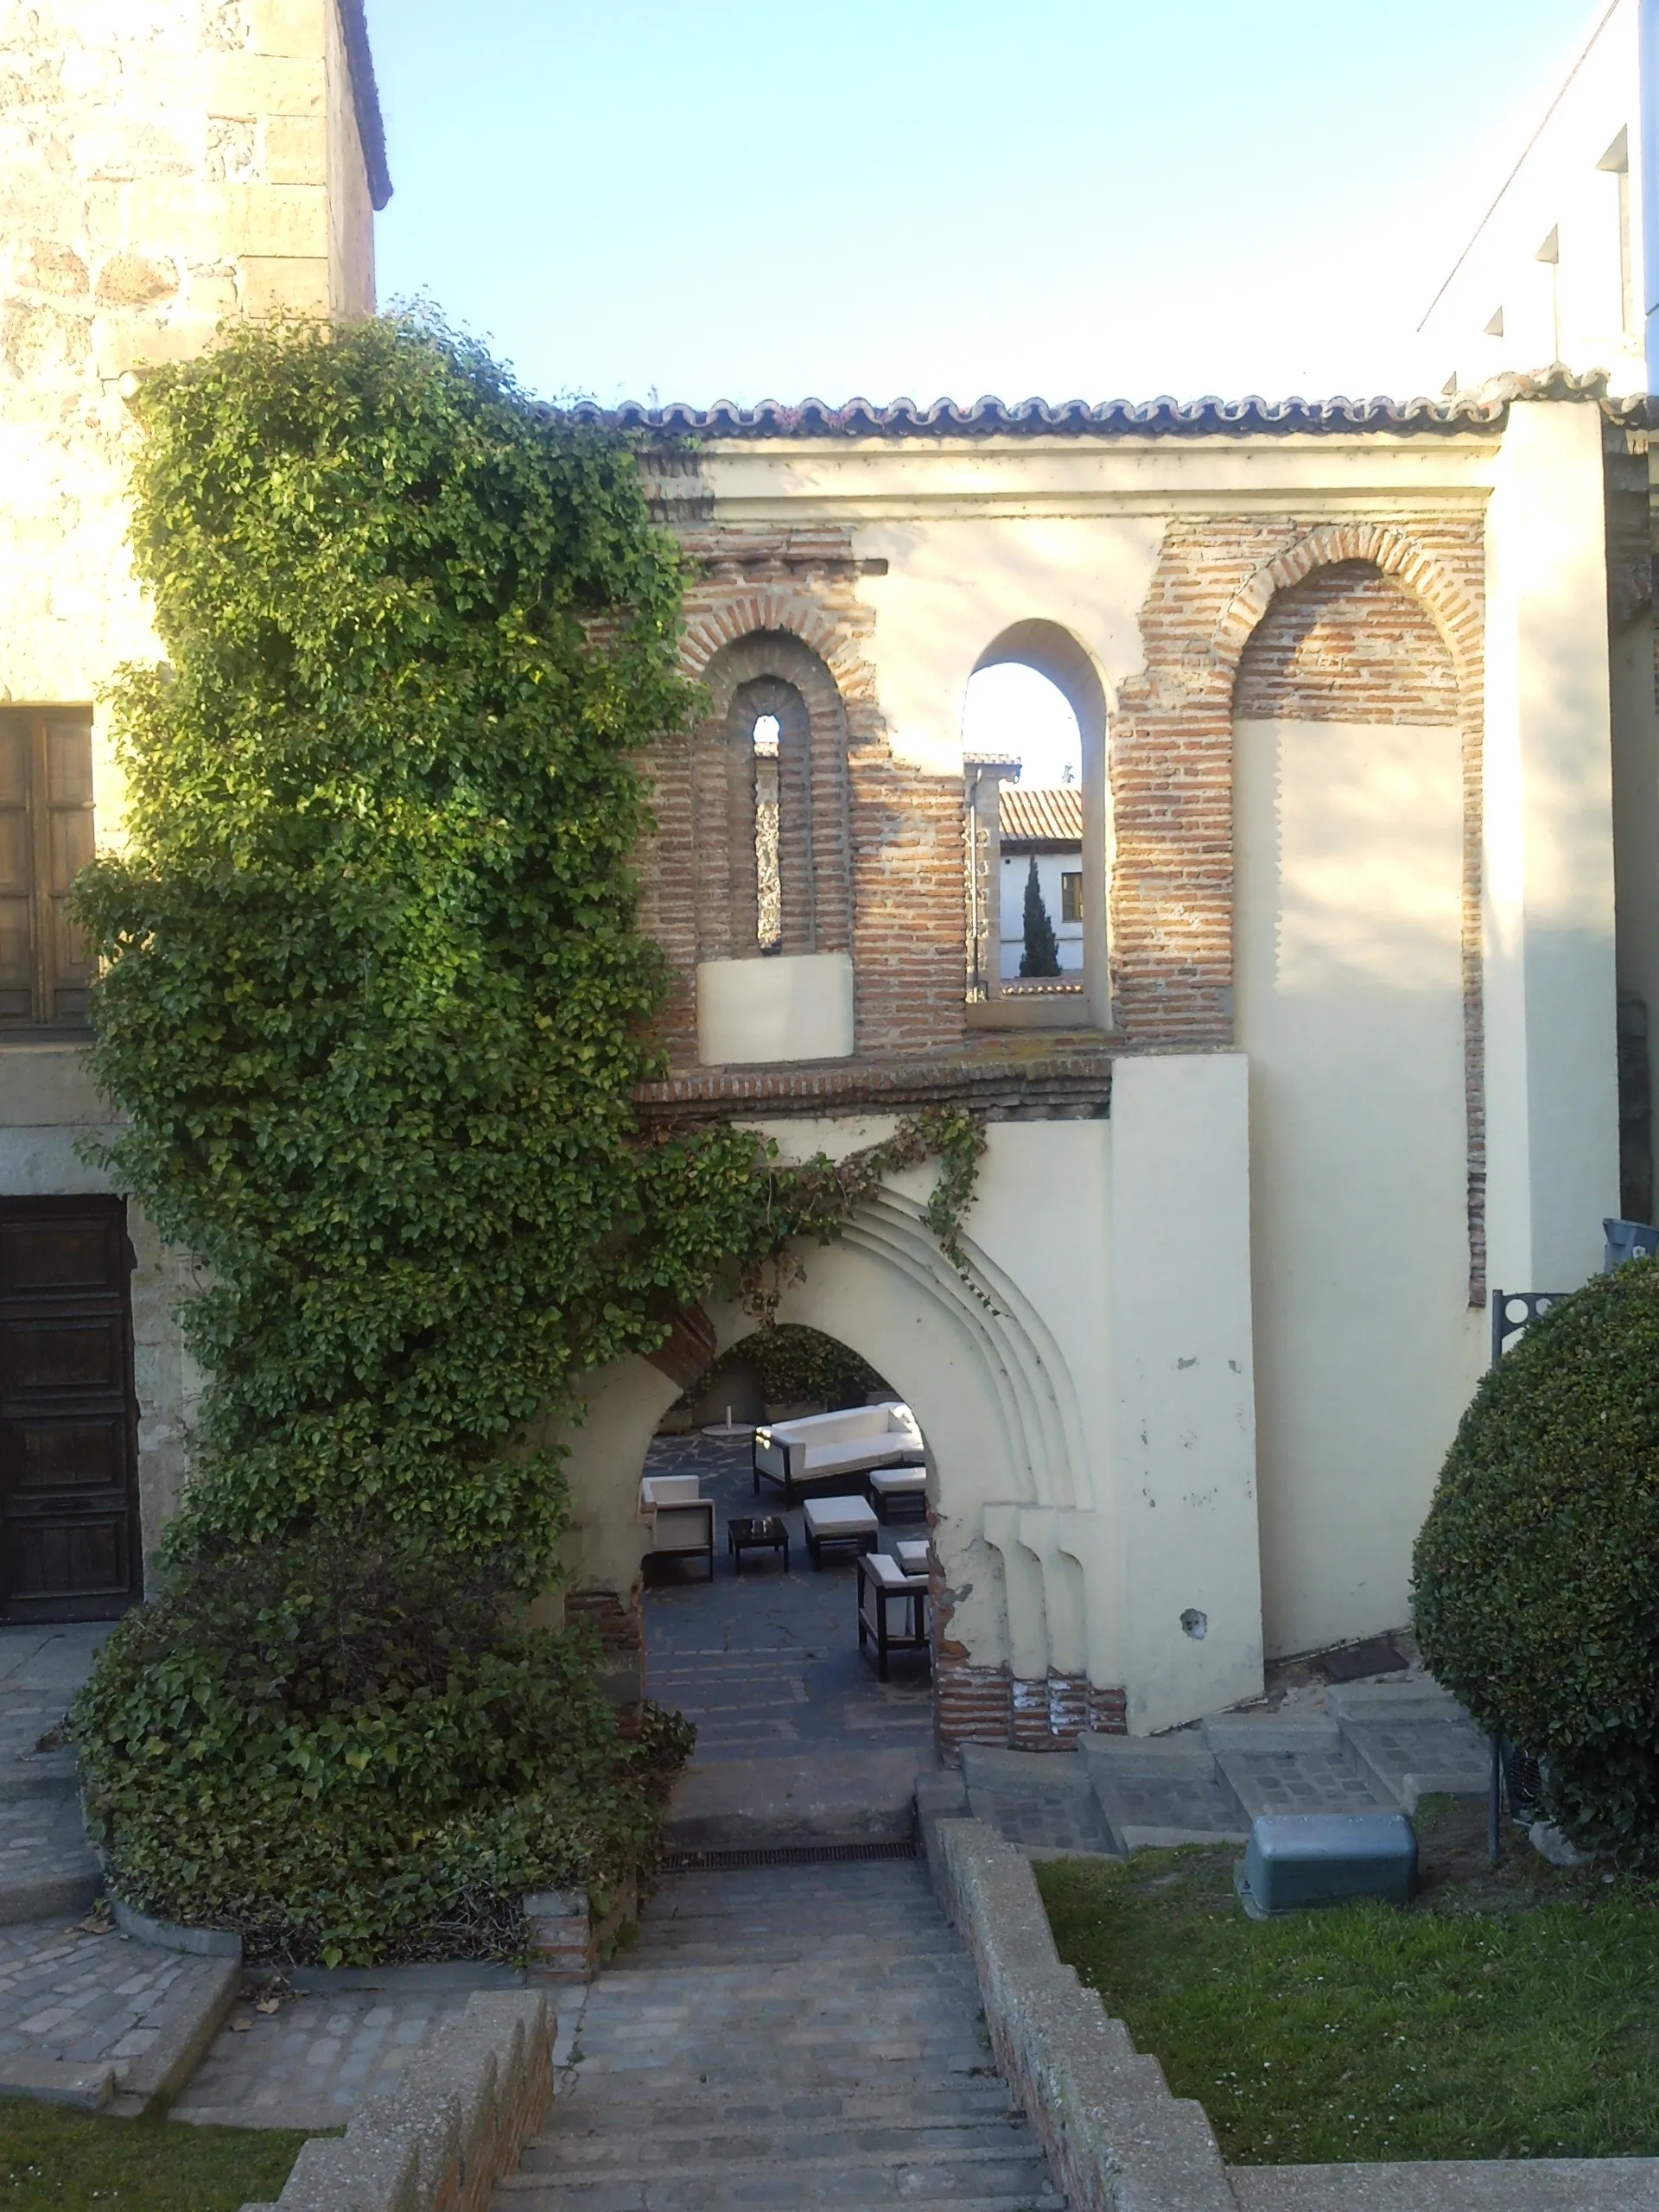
x: 1506, y: 2014
x: 70, y: 2162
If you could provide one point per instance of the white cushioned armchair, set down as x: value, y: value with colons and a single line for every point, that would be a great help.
x: 825, y: 1448
x: 679, y: 1520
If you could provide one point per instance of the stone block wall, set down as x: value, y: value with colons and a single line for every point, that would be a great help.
x: 164, y: 164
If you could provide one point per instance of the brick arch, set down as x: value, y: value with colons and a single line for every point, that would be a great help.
x: 1457, y: 620
x: 1346, y: 644
x: 757, y: 611
x: 772, y: 671
x: 1453, y: 613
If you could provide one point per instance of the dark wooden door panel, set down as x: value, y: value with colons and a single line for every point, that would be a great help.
x: 66, y: 1569
x: 59, y: 1355
x: 68, y: 1416
x: 80, y: 1254
x: 74, y: 1455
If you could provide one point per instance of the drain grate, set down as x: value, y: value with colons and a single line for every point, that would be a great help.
x: 784, y: 1854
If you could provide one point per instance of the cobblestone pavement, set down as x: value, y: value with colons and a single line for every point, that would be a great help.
x: 1299, y: 1782
x: 311, y: 2063
x: 1040, y: 1800
x: 768, y: 1664
x: 84, y: 1999
x: 47, y: 1865
x: 41, y: 1670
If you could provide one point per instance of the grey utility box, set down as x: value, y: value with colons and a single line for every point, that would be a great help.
x: 1294, y: 1860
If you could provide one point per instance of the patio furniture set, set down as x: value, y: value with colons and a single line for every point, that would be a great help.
x: 879, y: 1446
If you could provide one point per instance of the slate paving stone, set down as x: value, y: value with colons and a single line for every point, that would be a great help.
x: 311, y: 2064
x: 767, y: 1664
x: 65, y: 1994
x: 41, y: 1670
x: 1044, y: 1820
x: 1299, y: 1782
x: 1153, y: 1802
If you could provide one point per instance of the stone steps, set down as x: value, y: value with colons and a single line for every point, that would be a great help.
x: 1362, y: 1747
x: 779, y: 2039
x: 848, y: 2192
x: 47, y: 1865
x: 743, y: 2144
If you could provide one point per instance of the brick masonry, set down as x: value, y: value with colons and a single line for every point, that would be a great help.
x: 992, y: 1705
x: 1347, y: 644
x: 1351, y: 643
x: 1171, y: 744
x: 1368, y: 620
x: 770, y: 607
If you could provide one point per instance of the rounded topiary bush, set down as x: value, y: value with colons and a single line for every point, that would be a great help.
x: 1537, y: 1570
x: 350, y: 1751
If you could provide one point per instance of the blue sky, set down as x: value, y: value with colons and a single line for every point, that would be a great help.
x: 750, y: 200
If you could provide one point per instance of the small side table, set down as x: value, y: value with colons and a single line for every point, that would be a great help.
x: 762, y: 1532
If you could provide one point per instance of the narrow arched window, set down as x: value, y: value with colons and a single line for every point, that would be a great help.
x: 768, y: 881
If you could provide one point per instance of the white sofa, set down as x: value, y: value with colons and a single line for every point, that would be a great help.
x: 822, y: 1448
x: 678, y: 1519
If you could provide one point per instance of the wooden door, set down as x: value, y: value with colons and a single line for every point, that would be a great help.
x: 68, y: 1414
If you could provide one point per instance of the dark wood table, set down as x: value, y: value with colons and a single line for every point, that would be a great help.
x: 760, y: 1532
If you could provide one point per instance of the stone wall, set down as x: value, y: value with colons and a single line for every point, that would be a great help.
x: 164, y: 164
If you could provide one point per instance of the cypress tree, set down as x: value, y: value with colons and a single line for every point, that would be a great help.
x: 1042, y: 954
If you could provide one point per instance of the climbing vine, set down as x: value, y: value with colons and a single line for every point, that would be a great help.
x: 819, y: 1197
x: 375, y: 998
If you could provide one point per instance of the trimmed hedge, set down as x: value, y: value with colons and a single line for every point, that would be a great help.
x: 1537, y: 1570
x: 345, y: 1750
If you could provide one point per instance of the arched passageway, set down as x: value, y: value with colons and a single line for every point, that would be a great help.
x: 757, y: 1640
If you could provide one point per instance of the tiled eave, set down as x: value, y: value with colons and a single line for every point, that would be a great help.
x: 1484, y: 408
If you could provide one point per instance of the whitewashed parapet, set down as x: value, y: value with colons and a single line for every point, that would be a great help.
x: 463, y: 2109
x: 1116, y: 2139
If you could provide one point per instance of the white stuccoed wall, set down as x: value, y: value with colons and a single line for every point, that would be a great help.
x: 1090, y: 1428
x: 1636, y: 820
x: 1348, y: 845
x: 1559, y: 185
x: 1551, y: 1004
x: 1182, y: 1490
x: 1051, y: 867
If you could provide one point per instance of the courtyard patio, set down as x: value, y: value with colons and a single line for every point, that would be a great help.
x: 767, y: 1663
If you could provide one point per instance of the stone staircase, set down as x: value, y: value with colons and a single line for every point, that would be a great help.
x: 780, y: 2037
x: 1362, y: 1747
x: 47, y: 1865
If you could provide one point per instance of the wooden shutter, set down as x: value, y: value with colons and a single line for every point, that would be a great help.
x: 46, y: 839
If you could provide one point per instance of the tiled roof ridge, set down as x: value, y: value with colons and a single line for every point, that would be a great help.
x: 1483, y: 405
